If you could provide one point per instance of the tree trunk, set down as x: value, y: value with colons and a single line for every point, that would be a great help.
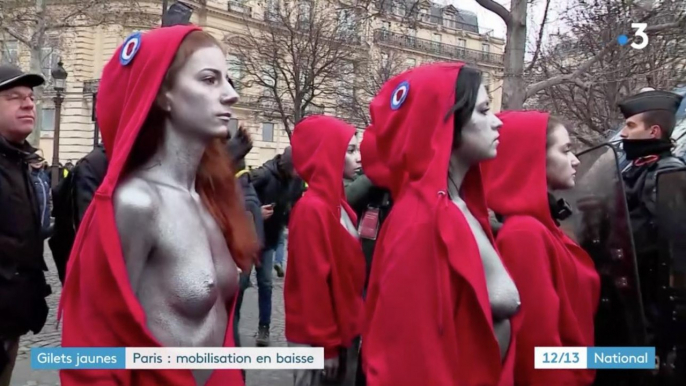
x: 34, y: 138
x: 514, y: 86
x: 36, y: 68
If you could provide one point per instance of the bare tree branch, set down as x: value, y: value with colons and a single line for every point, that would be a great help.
x: 42, y: 26
x: 539, y: 41
x: 585, y: 66
x: 371, y: 74
x: 597, y: 73
x: 294, y: 57
x: 498, y: 9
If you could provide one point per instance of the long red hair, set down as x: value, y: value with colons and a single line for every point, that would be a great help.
x: 215, y: 181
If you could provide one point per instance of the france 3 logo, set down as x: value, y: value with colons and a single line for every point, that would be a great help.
x: 640, y: 39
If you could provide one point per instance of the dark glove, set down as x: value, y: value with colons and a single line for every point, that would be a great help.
x: 239, y: 145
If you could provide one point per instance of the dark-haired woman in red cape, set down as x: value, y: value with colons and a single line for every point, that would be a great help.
x: 441, y: 307
x: 326, y: 268
x: 557, y: 280
x: 155, y: 262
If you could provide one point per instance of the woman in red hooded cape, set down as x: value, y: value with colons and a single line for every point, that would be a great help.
x: 557, y: 280
x: 430, y: 319
x: 99, y: 306
x: 326, y: 268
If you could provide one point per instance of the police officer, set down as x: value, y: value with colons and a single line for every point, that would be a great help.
x: 646, y: 139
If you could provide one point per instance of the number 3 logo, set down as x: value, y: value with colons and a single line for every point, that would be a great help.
x: 640, y: 27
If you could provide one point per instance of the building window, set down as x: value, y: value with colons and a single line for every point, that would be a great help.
x: 462, y: 43
x: 424, y: 15
x: 485, y: 49
x: 486, y: 80
x: 50, y: 56
x: 272, y: 11
x: 304, y: 10
x: 411, y: 37
x: 449, y: 21
x: 234, y: 69
x: 346, y: 82
x: 346, y: 22
x: 268, y: 132
x: 398, y: 8
x: 239, y: 6
x: 436, y: 42
x: 10, y: 52
x: 47, y: 121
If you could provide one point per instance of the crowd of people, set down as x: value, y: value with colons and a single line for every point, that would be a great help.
x: 427, y: 252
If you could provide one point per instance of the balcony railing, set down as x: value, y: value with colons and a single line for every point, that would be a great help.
x: 451, y: 23
x: 314, y: 110
x: 436, y: 48
x: 268, y: 103
x: 91, y: 86
x: 240, y: 7
x: 398, y: 8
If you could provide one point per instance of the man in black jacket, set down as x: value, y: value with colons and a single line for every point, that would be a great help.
x: 278, y: 188
x: 22, y: 282
x: 238, y: 146
x: 71, y: 198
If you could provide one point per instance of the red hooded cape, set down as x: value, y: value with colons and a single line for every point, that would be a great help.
x: 557, y: 281
x: 326, y: 267
x: 429, y: 317
x: 373, y: 168
x: 98, y: 306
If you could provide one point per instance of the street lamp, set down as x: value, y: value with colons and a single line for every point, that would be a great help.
x: 91, y: 87
x: 59, y: 79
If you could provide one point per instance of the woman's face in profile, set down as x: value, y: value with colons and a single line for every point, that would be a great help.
x: 352, y: 158
x: 479, y: 137
x: 561, y: 163
x: 200, y: 100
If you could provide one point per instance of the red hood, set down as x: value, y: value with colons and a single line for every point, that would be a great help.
x: 319, y: 144
x: 96, y: 269
x: 372, y: 166
x: 126, y: 93
x: 414, y: 144
x: 509, y: 189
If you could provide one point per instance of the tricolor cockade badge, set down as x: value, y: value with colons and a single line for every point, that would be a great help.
x: 131, y: 46
x: 399, y: 95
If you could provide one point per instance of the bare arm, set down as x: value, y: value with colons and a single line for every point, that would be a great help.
x: 134, y: 213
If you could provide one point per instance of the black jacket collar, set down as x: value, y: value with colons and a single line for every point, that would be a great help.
x: 19, y: 152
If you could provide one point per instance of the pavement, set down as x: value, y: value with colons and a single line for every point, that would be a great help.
x: 50, y: 336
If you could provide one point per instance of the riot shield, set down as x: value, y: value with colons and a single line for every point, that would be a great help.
x: 600, y: 224
x: 671, y: 227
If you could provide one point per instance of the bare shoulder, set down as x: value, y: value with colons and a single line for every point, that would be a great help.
x: 134, y: 202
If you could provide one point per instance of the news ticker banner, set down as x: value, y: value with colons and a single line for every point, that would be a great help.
x: 594, y: 358
x: 273, y: 358
x: 211, y: 358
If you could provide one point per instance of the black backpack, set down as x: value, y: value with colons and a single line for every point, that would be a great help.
x: 64, y: 231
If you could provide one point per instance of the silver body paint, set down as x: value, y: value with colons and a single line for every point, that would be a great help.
x: 502, y: 292
x: 347, y: 223
x: 177, y: 259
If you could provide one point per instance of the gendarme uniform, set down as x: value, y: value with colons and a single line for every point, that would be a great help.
x: 648, y: 158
